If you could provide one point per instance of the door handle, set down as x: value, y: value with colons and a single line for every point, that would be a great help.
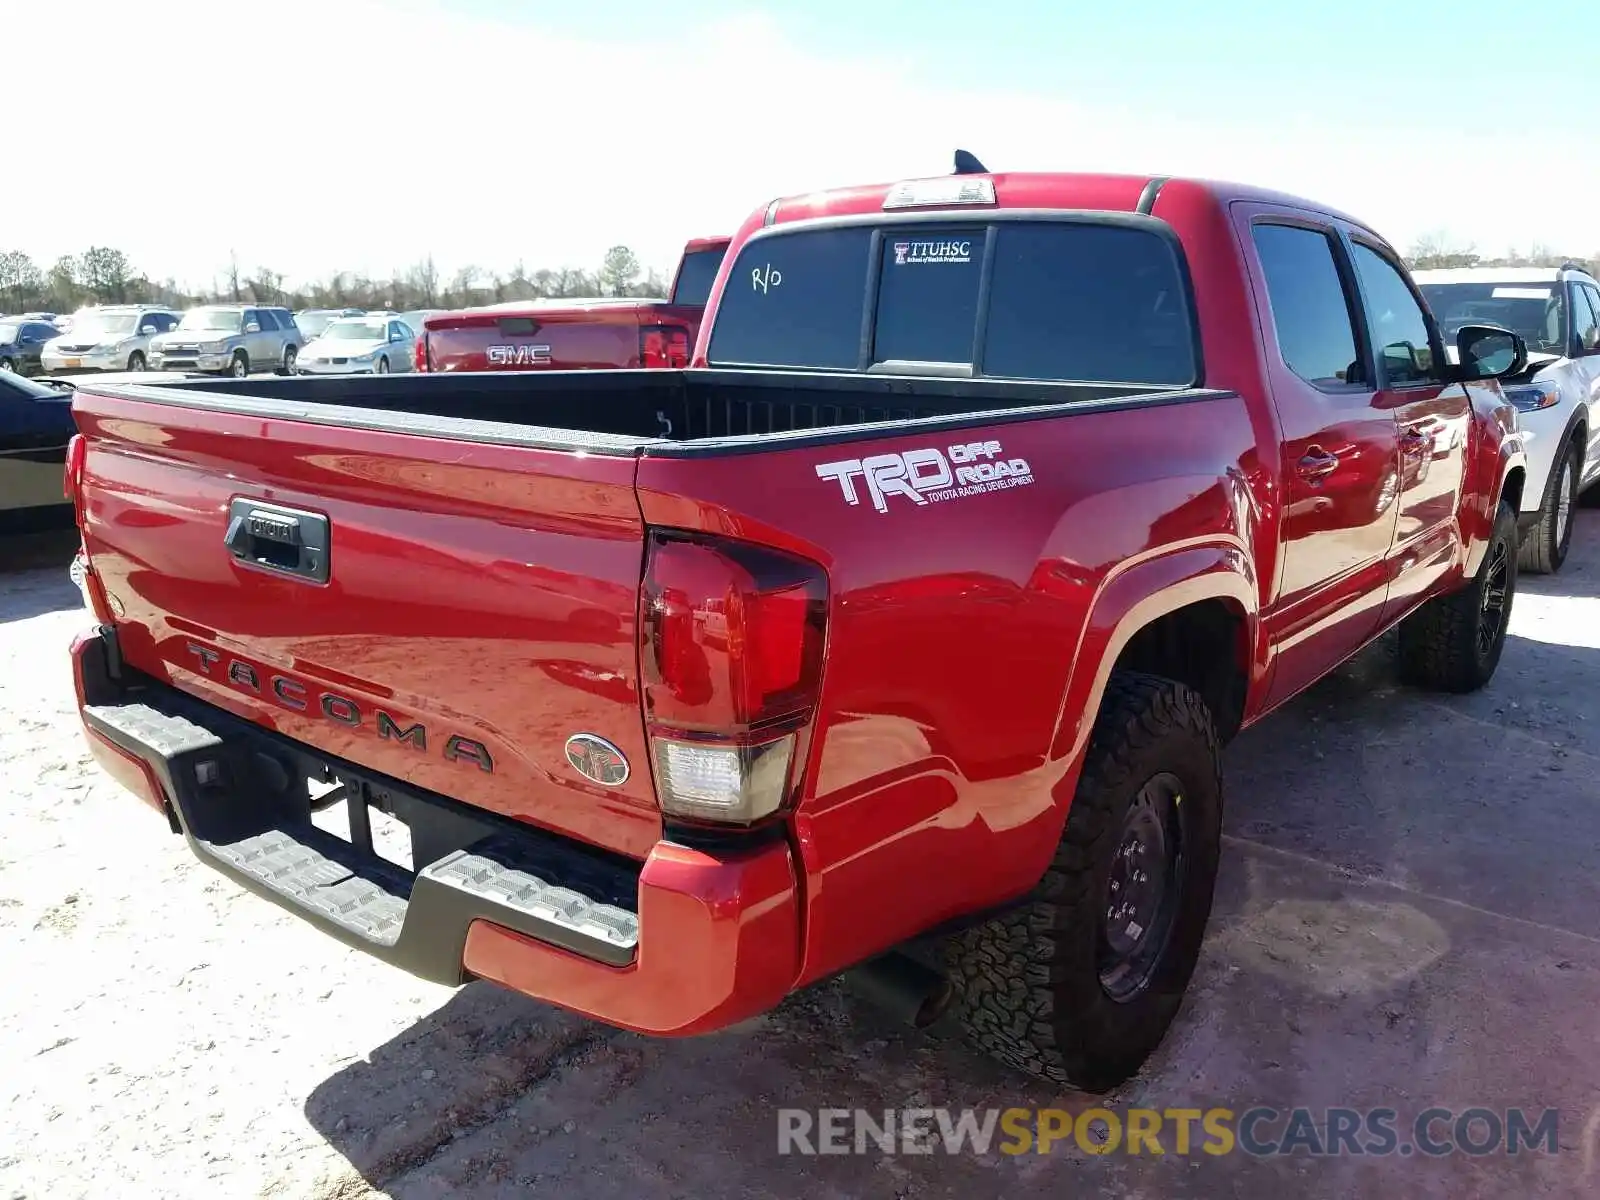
x: 286, y: 541
x: 1317, y: 463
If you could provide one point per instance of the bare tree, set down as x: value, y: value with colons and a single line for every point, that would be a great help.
x: 424, y: 281
x: 654, y: 284
x: 266, y: 286
x: 463, y: 287
x: 569, y: 281
x: 1436, y: 249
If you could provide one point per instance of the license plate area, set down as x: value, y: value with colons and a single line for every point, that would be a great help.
x: 364, y: 816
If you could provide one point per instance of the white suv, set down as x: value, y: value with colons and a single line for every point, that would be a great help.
x: 1557, y: 312
x: 113, y: 337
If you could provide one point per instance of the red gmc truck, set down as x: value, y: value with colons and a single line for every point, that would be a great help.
x: 582, y: 334
x: 913, y: 615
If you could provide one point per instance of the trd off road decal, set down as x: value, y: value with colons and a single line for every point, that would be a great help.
x: 929, y: 475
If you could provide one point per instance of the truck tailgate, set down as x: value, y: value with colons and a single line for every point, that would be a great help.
x: 478, y: 607
x: 587, y: 337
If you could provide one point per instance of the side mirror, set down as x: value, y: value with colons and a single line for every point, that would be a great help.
x: 1590, y: 341
x: 252, y: 328
x: 1489, y: 352
x: 146, y: 330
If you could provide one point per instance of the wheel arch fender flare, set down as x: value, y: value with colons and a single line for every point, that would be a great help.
x: 1131, y: 599
x: 1513, y: 458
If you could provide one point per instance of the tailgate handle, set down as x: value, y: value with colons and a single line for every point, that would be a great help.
x: 285, y: 541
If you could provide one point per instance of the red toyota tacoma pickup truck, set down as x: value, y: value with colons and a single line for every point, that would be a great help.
x: 567, y: 334
x: 913, y: 616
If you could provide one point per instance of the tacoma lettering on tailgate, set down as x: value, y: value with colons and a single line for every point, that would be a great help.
x: 290, y: 693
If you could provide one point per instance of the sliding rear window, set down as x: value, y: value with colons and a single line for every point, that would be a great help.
x: 795, y: 301
x: 1040, y: 300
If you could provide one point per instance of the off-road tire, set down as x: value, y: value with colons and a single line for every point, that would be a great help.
x: 1028, y: 984
x: 1440, y: 647
x: 1545, y: 547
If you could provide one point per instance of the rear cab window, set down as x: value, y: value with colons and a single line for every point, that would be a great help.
x: 696, y: 273
x: 1050, y: 298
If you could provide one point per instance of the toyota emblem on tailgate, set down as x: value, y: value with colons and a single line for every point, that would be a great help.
x: 597, y: 759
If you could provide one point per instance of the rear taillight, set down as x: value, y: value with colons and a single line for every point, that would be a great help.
x: 731, y: 664
x: 663, y: 346
x: 419, y: 353
x: 80, y: 570
x: 72, y: 476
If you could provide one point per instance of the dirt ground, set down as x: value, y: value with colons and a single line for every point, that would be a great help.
x: 1409, y: 915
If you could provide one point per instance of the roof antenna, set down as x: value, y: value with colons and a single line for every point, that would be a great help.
x: 967, y: 164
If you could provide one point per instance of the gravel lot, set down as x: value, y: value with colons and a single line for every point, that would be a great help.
x: 1409, y: 915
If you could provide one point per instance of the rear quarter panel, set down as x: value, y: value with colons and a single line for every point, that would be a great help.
x: 942, y: 767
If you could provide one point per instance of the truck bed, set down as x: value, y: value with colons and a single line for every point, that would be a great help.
x: 635, y: 412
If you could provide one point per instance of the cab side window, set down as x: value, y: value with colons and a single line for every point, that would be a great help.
x: 1310, y: 310
x: 1586, y: 318
x: 1395, y: 319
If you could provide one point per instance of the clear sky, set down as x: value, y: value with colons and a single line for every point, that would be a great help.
x: 318, y: 135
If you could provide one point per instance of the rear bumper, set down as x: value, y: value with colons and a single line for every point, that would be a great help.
x: 687, y: 943
x: 304, y: 366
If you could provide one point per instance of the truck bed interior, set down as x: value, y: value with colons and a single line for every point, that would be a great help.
x: 622, y: 411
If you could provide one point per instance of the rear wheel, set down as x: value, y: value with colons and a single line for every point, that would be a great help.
x: 1453, y: 642
x: 291, y: 355
x: 1545, y: 548
x: 1080, y: 984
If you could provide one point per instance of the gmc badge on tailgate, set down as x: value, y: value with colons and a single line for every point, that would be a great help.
x: 518, y: 356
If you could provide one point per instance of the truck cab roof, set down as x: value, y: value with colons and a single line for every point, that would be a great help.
x: 1031, y: 189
